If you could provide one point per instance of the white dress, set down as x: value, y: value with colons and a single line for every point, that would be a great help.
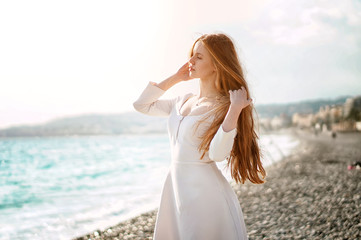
x: 197, y: 202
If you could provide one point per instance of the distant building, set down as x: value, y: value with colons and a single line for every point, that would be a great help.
x: 265, y: 124
x: 336, y: 113
x: 352, y: 108
x: 303, y: 120
x: 350, y: 119
x: 282, y: 121
x: 324, y: 115
x: 347, y: 107
x: 342, y: 117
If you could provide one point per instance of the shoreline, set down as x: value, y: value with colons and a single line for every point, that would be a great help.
x: 309, y: 194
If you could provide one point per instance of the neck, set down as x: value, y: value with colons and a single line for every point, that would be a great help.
x: 207, y: 87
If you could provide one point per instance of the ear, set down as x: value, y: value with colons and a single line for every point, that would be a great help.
x: 215, y: 69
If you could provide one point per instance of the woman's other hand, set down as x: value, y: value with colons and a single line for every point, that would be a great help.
x: 239, y: 98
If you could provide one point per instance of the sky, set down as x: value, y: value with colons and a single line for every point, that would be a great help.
x: 66, y: 58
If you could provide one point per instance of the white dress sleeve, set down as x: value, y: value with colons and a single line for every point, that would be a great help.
x: 221, y: 144
x: 149, y: 104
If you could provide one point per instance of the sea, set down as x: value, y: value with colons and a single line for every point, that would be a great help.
x: 66, y: 187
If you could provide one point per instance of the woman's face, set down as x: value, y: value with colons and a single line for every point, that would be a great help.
x: 201, y: 64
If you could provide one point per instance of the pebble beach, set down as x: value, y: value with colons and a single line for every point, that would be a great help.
x: 310, y: 194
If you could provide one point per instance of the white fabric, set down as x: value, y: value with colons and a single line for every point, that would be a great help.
x: 197, y: 201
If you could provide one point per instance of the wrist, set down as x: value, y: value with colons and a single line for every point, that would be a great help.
x: 175, y: 78
x: 234, y: 108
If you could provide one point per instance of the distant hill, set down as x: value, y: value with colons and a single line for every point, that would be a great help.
x: 91, y: 124
x: 137, y: 123
x: 310, y: 106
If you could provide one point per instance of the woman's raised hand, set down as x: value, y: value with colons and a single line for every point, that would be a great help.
x: 183, y: 73
x: 239, y: 98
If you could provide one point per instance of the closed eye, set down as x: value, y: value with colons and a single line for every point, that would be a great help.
x: 199, y: 56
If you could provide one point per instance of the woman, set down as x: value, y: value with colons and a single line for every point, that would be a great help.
x: 197, y: 201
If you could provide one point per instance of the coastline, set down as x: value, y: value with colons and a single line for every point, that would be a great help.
x: 309, y: 194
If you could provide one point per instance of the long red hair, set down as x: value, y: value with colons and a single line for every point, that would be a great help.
x: 245, y: 159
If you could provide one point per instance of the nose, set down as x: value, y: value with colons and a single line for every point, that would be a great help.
x: 191, y: 60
